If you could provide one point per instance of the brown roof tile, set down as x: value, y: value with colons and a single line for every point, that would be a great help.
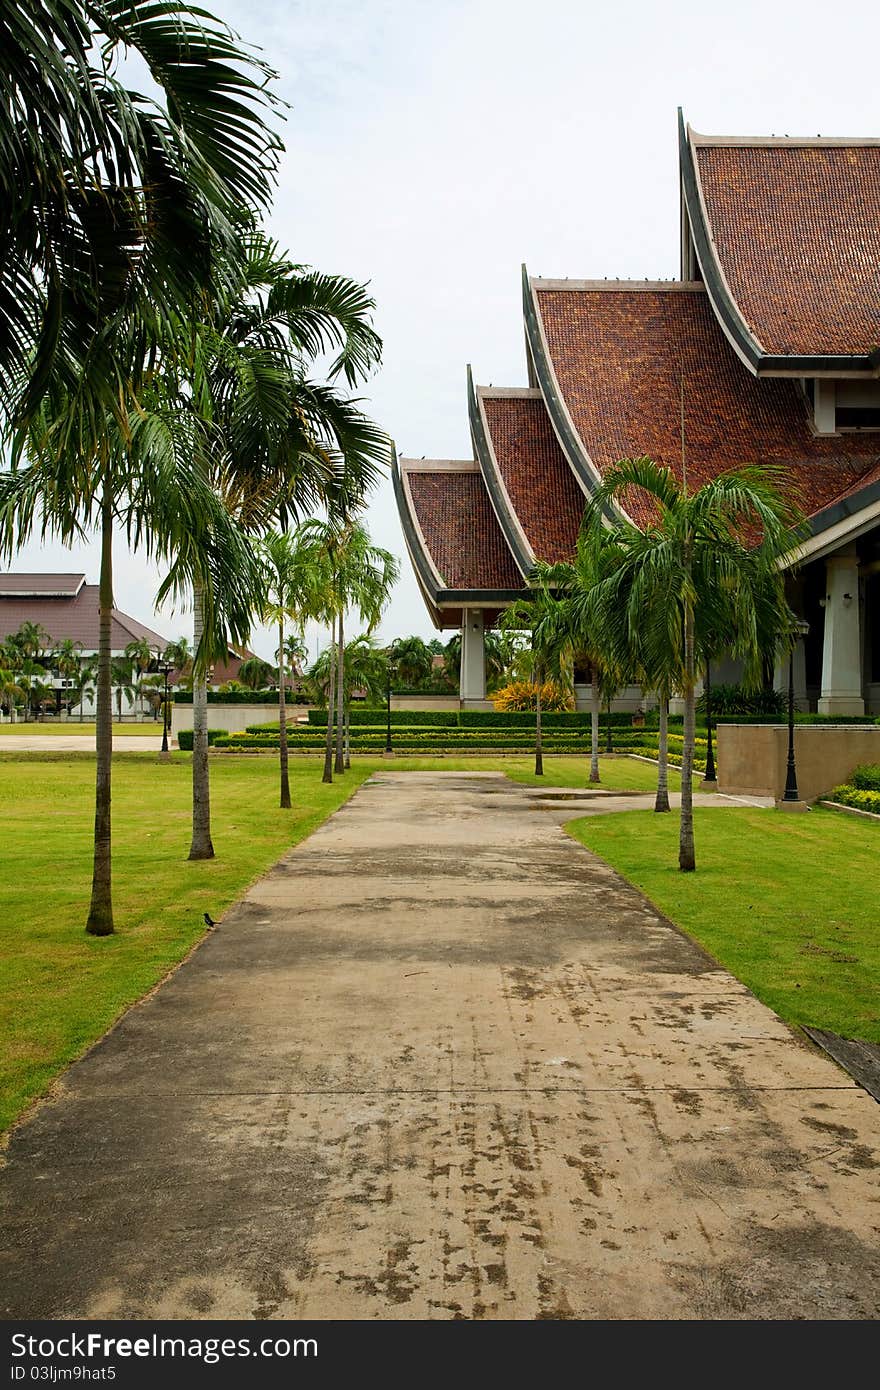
x: 461, y: 531
x: 619, y: 353
x: 796, y: 230
x: 538, y: 479
x: 67, y: 585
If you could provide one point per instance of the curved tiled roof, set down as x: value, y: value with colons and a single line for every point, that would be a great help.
x: 617, y: 353
x: 457, y: 530
x: 788, y: 235
x: 536, y: 476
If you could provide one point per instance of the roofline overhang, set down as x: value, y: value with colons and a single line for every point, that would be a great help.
x: 428, y: 580
x: 484, y: 451
x: 843, y: 520
x: 721, y: 297
x: 585, y: 472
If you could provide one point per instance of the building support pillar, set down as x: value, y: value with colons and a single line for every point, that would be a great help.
x: 842, y: 648
x: 472, y: 677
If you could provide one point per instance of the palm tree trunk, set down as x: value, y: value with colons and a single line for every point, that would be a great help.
x: 661, y: 802
x: 594, y: 726
x: 686, y: 856
x: 328, y: 743
x: 282, y: 721
x: 100, y: 918
x: 348, y: 738
x: 539, y: 751
x: 340, y: 697
x: 202, y: 846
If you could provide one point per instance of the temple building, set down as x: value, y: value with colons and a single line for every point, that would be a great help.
x: 774, y: 328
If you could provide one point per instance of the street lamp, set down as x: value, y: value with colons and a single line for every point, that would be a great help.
x: 165, y: 669
x: 791, y: 793
x: 709, y: 775
x: 389, y: 671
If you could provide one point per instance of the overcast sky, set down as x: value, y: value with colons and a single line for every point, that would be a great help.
x: 435, y: 145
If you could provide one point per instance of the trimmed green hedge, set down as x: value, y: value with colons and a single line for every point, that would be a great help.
x: 799, y: 718
x: 473, y: 719
x: 861, y: 799
x: 375, y: 718
x: 185, y: 738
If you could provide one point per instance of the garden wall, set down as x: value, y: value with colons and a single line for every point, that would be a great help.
x: 752, y: 759
x: 234, y: 717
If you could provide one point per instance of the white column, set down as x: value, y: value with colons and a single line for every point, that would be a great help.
x: 472, y: 680
x: 842, y: 649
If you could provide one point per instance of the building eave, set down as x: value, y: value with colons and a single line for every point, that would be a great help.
x: 727, y: 311
x: 484, y: 452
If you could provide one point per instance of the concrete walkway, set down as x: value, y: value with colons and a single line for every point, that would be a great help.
x: 78, y: 743
x: 441, y: 1062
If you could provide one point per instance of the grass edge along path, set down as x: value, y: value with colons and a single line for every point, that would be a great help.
x: 788, y: 904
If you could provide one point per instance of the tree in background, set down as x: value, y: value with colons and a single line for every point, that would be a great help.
x: 256, y: 674
x: 10, y: 690
x: 550, y: 652
x: 414, y: 661
x: 141, y: 656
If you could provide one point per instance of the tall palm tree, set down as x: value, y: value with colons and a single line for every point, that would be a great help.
x: 281, y: 443
x: 361, y: 577
x: 692, y: 571
x: 179, y: 655
x: 551, y: 649
x: 122, y: 678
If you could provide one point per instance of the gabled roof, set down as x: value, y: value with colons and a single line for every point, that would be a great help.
x: 456, y: 546
x: 63, y: 615
x: 787, y: 234
x: 537, y: 500
x: 41, y: 585
x: 613, y: 354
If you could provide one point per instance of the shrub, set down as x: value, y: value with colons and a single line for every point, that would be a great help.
x: 185, y: 738
x: 866, y: 778
x: 862, y: 800
x: 242, y: 697
x: 732, y: 699
x: 444, y: 718
x: 522, y: 695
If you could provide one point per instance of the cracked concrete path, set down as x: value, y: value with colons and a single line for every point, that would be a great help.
x: 442, y: 1062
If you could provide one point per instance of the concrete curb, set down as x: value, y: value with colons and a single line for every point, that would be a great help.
x: 849, y: 810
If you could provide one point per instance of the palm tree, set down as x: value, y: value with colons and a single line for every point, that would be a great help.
x: 141, y: 656
x: 544, y: 619
x: 414, y: 660
x: 255, y: 673
x: 295, y: 588
x: 282, y: 443
x: 86, y: 679
x: 102, y: 187
x: 689, y: 572
x: 122, y: 679
x: 10, y: 690
x: 179, y: 655
x: 361, y: 578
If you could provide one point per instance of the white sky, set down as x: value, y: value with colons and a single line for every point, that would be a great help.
x: 435, y: 145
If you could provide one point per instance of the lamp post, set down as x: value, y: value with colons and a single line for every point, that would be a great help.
x: 710, y: 755
x: 791, y: 793
x: 165, y: 670
x: 389, y: 670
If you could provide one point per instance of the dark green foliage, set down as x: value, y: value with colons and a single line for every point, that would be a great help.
x: 733, y: 699
x: 185, y: 738
x: 866, y: 777
x: 242, y: 697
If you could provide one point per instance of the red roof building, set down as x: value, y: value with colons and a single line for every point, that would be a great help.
x: 774, y: 328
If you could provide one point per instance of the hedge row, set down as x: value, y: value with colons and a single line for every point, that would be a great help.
x: 472, y: 718
x: 185, y: 738
x: 860, y: 798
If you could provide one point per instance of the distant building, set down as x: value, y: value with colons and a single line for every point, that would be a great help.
x: 774, y: 327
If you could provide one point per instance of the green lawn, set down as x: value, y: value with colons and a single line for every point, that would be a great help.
x: 788, y: 903
x: 61, y: 989
x: 37, y: 726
